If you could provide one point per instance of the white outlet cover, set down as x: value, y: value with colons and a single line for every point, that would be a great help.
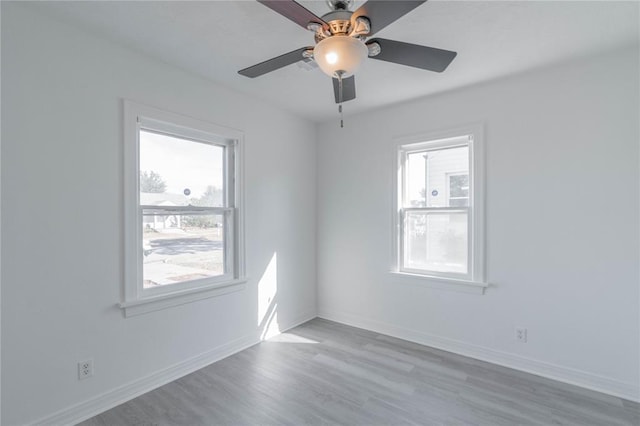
x: 521, y: 335
x: 85, y: 369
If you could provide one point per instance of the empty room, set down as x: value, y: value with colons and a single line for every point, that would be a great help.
x: 313, y: 212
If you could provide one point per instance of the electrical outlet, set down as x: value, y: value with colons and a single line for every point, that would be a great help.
x: 85, y: 369
x: 521, y: 335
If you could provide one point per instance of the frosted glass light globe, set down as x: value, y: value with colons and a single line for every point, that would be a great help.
x: 340, y: 53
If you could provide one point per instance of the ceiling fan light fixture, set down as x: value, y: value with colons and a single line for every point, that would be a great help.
x: 340, y: 53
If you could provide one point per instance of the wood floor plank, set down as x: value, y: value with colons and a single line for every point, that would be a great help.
x: 325, y: 373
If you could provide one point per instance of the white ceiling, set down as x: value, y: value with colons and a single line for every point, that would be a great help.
x: 493, y: 39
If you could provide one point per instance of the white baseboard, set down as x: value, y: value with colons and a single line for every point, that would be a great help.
x: 101, y: 403
x: 584, y: 379
x: 96, y: 405
x: 298, y: 319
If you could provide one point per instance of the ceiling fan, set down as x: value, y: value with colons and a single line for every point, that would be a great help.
x: 342, y: 42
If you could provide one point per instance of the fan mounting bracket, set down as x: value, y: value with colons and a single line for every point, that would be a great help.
x: 340, y: 4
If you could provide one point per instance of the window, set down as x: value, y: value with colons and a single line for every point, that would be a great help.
x: 439, y: 206
x: 182, y: 211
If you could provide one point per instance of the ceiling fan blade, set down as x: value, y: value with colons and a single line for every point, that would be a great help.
x: 348, y: 89
x: 274, y: 63
x: 383, y: 12
x: 413, y: 55
x: 294, y: 11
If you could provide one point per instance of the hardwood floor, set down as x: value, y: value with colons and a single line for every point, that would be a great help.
x: 327, y: 373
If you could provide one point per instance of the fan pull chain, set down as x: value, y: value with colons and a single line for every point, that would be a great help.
x: 340, y: 73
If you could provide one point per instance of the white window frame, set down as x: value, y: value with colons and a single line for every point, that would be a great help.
x: 137, y: 299
x: 471, y: 136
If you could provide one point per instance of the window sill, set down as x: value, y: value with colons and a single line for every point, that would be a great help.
x: 442, y: 283
x: 156, y: 303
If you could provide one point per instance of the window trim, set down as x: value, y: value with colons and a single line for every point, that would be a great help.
x: 135, y: 299
x: 432, y: 141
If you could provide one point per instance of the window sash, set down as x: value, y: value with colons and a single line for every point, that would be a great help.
x: 193, y: 135
x: 229, y: 249
x: 434, y: 211
x: 426, y: 147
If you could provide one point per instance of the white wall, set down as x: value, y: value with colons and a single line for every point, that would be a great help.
x: 62, y: 176
x: 560, y: 261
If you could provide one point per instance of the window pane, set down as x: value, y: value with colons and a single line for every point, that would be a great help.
x: 179, y: 248
x: 429, y: 174
x: 436, y: 241
x: 179, y: 172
